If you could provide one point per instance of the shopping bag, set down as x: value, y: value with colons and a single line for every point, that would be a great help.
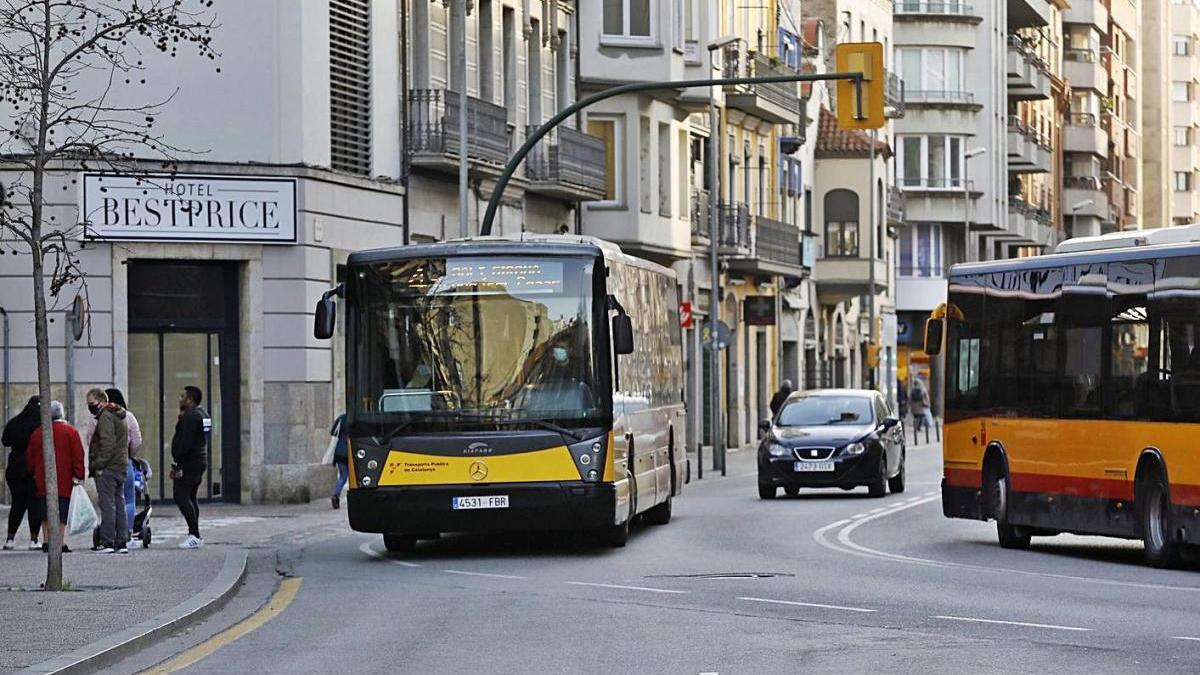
x: 81, y: 515
x: 327, y: 458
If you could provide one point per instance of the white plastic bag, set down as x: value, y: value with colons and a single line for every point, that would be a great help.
x: 81, y: 515
x: 327, y: 458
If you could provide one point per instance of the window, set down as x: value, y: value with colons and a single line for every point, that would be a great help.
x: 1181, y: 92
x: 841, y: 224
x: 350, y: 85
x: 664, y: 170
x: 628, y: 19
x: 562, y: 78
x: 930, y: 162
x: 921, y: 251
x: 509, y: 66
x: 487, y: 52
x: 932, y: 73
x: 609, y: 129
x: 789, y: 48
x: 533, y: 73
x: 677, y: 23
x: 645, y: 199
x: 1183, y: 136
x: 1183, y: 181
x: 1181, y: 45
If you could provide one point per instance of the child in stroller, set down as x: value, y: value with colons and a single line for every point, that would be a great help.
x: 139, y: 520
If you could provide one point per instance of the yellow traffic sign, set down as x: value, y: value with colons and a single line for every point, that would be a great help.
x: 865, y: 58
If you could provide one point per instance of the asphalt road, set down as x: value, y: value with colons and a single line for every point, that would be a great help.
x: 828, y: 581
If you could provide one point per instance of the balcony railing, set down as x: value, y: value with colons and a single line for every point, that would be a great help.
x: 1082, y: 120
x: 783, y: 94
x: 894, y: 96
x: 936, y: 7
x: 921, y: 183
x: 568, y: 158
x: 939, y: 96
x: 895, y: 205
x: 777, y: 241
x: 1081, y: 55
x: 433, y: 127
x: 735, y: 226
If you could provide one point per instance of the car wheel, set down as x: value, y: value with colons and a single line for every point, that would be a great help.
x: 896, y: 483
x: 766, y: 491
x: 1155, y: 508
x: 1010, y: 536
x: 791, y: 491
x: 399, y: 543
x: 878, y: 487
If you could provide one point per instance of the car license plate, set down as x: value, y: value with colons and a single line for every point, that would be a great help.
x: 814, y: 466
x: 490, y: 502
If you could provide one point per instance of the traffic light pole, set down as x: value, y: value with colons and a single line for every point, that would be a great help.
x: 485, y: 227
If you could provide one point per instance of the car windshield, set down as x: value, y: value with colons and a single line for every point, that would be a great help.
x: 814, y: 411
x: 488, y: 340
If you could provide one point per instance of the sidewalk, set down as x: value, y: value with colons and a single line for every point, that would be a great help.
x: 111, y: 593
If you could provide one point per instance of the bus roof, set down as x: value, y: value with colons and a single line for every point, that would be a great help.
x: 1081, y: 257
x: 514, y: 244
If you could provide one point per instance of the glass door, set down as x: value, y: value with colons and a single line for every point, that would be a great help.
x: 145, y: 388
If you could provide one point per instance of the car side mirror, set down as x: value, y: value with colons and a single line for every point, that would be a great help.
x: 935, y: 333
x: 622, y: 334
x: 764, y: 426
x: 890, y: 421
x: 325, y: 318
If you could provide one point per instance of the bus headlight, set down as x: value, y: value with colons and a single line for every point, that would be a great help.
x: 854, y: 449
x: 596, y: 447
x: 361, y: 454
x: 776, y: 450
x: 366, y: 481
x: 372, y: 465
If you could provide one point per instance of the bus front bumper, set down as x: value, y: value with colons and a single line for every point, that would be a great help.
x: 531, y: 507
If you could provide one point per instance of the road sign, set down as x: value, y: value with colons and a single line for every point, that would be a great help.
x: 685, y: 315
x: 865, y: 58
x: 724, y: 335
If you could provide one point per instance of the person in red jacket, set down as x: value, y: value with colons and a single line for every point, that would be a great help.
x: 68, y: 459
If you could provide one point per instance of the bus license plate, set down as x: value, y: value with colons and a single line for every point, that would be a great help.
x: 814, y: 466
x: 491, y: 502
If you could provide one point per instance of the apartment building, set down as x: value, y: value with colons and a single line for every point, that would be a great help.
x: 520, y: 70
x: 1184, y: 152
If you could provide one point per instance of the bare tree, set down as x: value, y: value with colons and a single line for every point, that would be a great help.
x: 62, y: 64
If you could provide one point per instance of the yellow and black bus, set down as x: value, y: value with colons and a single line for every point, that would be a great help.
x: 498, y: 384
x: 1072, y: 398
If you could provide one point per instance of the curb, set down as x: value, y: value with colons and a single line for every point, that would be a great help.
x: 111, y: 649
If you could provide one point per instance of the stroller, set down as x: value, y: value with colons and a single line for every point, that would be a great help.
x: 139, y: 520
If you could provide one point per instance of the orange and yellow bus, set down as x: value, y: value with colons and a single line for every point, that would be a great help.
x: 1072, y: 397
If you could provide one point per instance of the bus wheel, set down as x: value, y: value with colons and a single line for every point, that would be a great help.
x: 399, y: 543
x: 1161, y: 548
x: 659, y: 515
x: 1010, y: 536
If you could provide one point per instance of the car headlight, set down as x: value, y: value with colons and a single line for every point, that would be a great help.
x: 777, y: 450
x: 854, y: 449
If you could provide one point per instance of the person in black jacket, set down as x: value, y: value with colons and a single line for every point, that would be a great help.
x: 781, y: 397
x: 20, y: 480
x: 189, y: 460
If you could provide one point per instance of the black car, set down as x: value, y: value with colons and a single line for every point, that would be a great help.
x: 836, y: 438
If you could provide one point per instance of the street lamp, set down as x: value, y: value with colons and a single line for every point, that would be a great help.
x: 967, y: 201
x: 714, y: 302
x: 1075, y: 214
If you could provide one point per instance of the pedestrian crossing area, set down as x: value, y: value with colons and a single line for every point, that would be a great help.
x: 176, y: 533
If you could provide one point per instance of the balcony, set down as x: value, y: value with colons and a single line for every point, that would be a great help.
x: 936, y: 10
x: 1088, y: 194
x: 1028, y: 77
x: 936, y: 98
x: 1028, y: 13
x: 777, y: 103
x: 1020, y: 217
x: 895, y: 206
x: 1090, y: 13
x: 1083, y: 134
x: 775, y: 250
x: 841, y: 278
x: 1028, y: 152
x: 1084, y: 70
x: 433, y: 141
x: 567, y: 164
x: 734, y: 229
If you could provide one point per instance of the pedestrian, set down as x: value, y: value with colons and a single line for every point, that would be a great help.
x: 918, y: 400
x: 189, y: 461
x: 108, y: 456
x: 17, y: 474
x: 902, y: 399
x: 135, y: 445
x: 781, y: 397
x: 68, y: 459
x: 341, y: 458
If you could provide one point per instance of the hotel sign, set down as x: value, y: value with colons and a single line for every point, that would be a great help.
x: 182, y: 207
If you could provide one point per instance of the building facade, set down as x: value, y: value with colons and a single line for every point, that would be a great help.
x: 1184, y: 153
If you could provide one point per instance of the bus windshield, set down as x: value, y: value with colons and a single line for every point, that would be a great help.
x: 475, y: 340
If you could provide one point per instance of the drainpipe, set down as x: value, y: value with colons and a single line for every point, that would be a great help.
x: 405, y: 164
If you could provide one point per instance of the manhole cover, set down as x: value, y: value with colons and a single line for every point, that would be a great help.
x: 723, y: 575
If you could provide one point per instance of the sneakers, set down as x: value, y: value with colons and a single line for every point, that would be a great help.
x: 103, y: 548
x: 8, y: 545
x: 337, y: 501
x: 192, y: 542
x: 33, y: 546
x: 123, y: 549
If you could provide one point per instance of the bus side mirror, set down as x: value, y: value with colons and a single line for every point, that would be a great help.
x: 935, y: 333
x: 326, y: 314
x: 622, y: 334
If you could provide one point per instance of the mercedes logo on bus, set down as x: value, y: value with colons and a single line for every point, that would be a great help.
x: 478, y: 471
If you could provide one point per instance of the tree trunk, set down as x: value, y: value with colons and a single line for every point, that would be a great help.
x: 55, y: 538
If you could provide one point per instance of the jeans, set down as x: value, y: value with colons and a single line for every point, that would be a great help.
x: 343, y: 469
x: 130, y: 499
x: 23, y: 489
x: 184, y: 490
x: 110, y: 487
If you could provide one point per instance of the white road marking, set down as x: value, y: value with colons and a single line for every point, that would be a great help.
x: 878, y: 510
x: 627, y: 588
x: 1190, y: 639
x: 857, y: 516
x: 484, y: 574
x: 366, y: 548
x: 1026, y: 624
x: 810, y: 604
